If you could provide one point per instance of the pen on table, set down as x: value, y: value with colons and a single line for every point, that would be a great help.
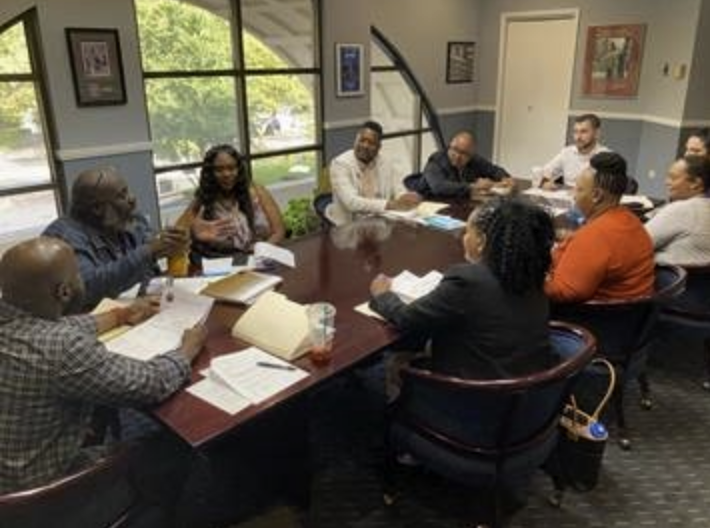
x: 275, y: 365
x: 169, y: 296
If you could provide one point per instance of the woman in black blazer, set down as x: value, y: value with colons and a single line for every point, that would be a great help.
x: 488, y: 316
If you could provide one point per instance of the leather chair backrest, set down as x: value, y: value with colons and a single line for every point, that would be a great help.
x: 495, y: 414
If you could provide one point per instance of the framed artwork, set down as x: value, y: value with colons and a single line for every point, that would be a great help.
x: 459, y: 62
x: 612, y: 62
x: 349, y: 70
x: 95, y: 57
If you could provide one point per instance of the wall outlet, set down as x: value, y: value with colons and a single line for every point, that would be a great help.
x: 651, y: 174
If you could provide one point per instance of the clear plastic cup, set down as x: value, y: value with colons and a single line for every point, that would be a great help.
x: 321, y: 328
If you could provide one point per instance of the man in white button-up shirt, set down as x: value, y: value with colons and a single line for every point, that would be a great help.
x: 564, y: 168
x: 363, y: 181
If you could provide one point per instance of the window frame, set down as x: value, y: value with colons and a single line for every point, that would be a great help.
x: 241, y: 75
x: 37, y: 76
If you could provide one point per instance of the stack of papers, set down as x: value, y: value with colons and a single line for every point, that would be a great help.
x: 163, y: 332
x: 423, y: 210
x: 637, y: 199
x: 408, y: 288
x: 447, y: 223
x: 240, y: 379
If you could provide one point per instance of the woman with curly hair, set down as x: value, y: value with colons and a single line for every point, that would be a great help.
x: 488, y: 317
x: 230, y: 212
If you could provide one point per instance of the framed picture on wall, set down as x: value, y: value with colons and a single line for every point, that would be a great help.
x: 460, y: 62
x: 612, y: 62
x: 349, y: 70
x: 95, y: 58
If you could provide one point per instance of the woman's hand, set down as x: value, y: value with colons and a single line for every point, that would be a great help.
x: 380, y: 284
x: 213, y: 230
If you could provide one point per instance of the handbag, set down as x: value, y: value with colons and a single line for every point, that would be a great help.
x: 577, y: 459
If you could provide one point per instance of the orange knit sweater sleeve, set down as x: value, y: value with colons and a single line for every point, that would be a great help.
x: 579, y: 265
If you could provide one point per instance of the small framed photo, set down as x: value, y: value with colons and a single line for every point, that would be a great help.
x: 349, y: 70
x: 95, y: 57
x: 612, y: 62
x: 460, y: 62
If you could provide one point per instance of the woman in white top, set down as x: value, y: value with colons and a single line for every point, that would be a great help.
x: 681, y: 229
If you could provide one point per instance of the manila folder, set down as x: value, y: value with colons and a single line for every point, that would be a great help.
x: 275, y: 324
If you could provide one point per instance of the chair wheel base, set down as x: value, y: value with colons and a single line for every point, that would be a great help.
x: 625, y: 444
x: 647, y: 403
x: 389, y: 499
x: 555, y: 498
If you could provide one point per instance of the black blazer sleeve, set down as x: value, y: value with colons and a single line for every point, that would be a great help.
x: 442, y: 307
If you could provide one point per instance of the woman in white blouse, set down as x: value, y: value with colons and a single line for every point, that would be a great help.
x: 681, y: 229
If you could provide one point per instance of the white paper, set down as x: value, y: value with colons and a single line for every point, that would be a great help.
x: 266, y: 251
x: 240, y: 372
x: 219, y: 395
x: 641, y: 200
x: 410, y: 287
x: 217, y: 266
x: 364, y: 309
x: 163, y: 332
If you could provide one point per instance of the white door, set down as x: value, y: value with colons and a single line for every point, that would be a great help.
x: 535, y: 81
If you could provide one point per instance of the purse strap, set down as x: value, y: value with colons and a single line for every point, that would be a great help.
x: 610, y: 388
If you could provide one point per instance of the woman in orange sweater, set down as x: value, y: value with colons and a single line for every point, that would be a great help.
x: 611, y: 255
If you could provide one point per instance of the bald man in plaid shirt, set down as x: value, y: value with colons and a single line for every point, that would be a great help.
x: 53, y: 369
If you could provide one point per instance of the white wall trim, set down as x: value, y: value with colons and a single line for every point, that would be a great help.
x: 103, y: 150
x: 456, y: 110
x: 696, y: 123
x: 344, y: 123
x: 513, y: 16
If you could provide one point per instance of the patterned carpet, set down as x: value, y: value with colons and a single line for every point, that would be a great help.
x: 664, y: 481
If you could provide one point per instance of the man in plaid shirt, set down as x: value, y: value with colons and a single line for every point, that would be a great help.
x: 53, y: 369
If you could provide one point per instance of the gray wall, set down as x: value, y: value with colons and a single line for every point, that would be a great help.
x: 116, y: 135
x: 419, y: 28
x: 697, y: 107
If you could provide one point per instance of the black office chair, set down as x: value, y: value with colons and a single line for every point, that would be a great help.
x: 623, y: 329
x: 691, y: 312
x: 99, y: 496
x: 491, y: 435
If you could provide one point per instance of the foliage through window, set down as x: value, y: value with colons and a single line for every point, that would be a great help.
x: 27, y: 189
x: 202, y: 91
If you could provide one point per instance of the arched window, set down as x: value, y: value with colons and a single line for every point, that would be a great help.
x: 28, y: 191
x: 238, y: 72
x: 399, y: 103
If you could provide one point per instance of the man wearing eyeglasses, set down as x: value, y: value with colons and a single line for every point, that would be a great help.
x: 460, y: 171
x: 114, y: 244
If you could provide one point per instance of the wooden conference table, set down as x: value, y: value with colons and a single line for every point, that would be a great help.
x: 337, y: 266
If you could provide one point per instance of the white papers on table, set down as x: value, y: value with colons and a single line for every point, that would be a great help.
x: 219, y: 395
x: 364, y: 309
x: 235, y: 381
x: 255, y: 374
x: 265, y: 251
x: 637, y: 199
x: 163, y: 332
x: 409, y: 286
x: 212, y: 267
x: 420, y: 212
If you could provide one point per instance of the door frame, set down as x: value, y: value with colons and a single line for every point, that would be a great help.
x: 527, y: 16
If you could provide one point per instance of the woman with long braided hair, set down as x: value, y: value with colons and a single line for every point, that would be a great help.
x: 488, y: 316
